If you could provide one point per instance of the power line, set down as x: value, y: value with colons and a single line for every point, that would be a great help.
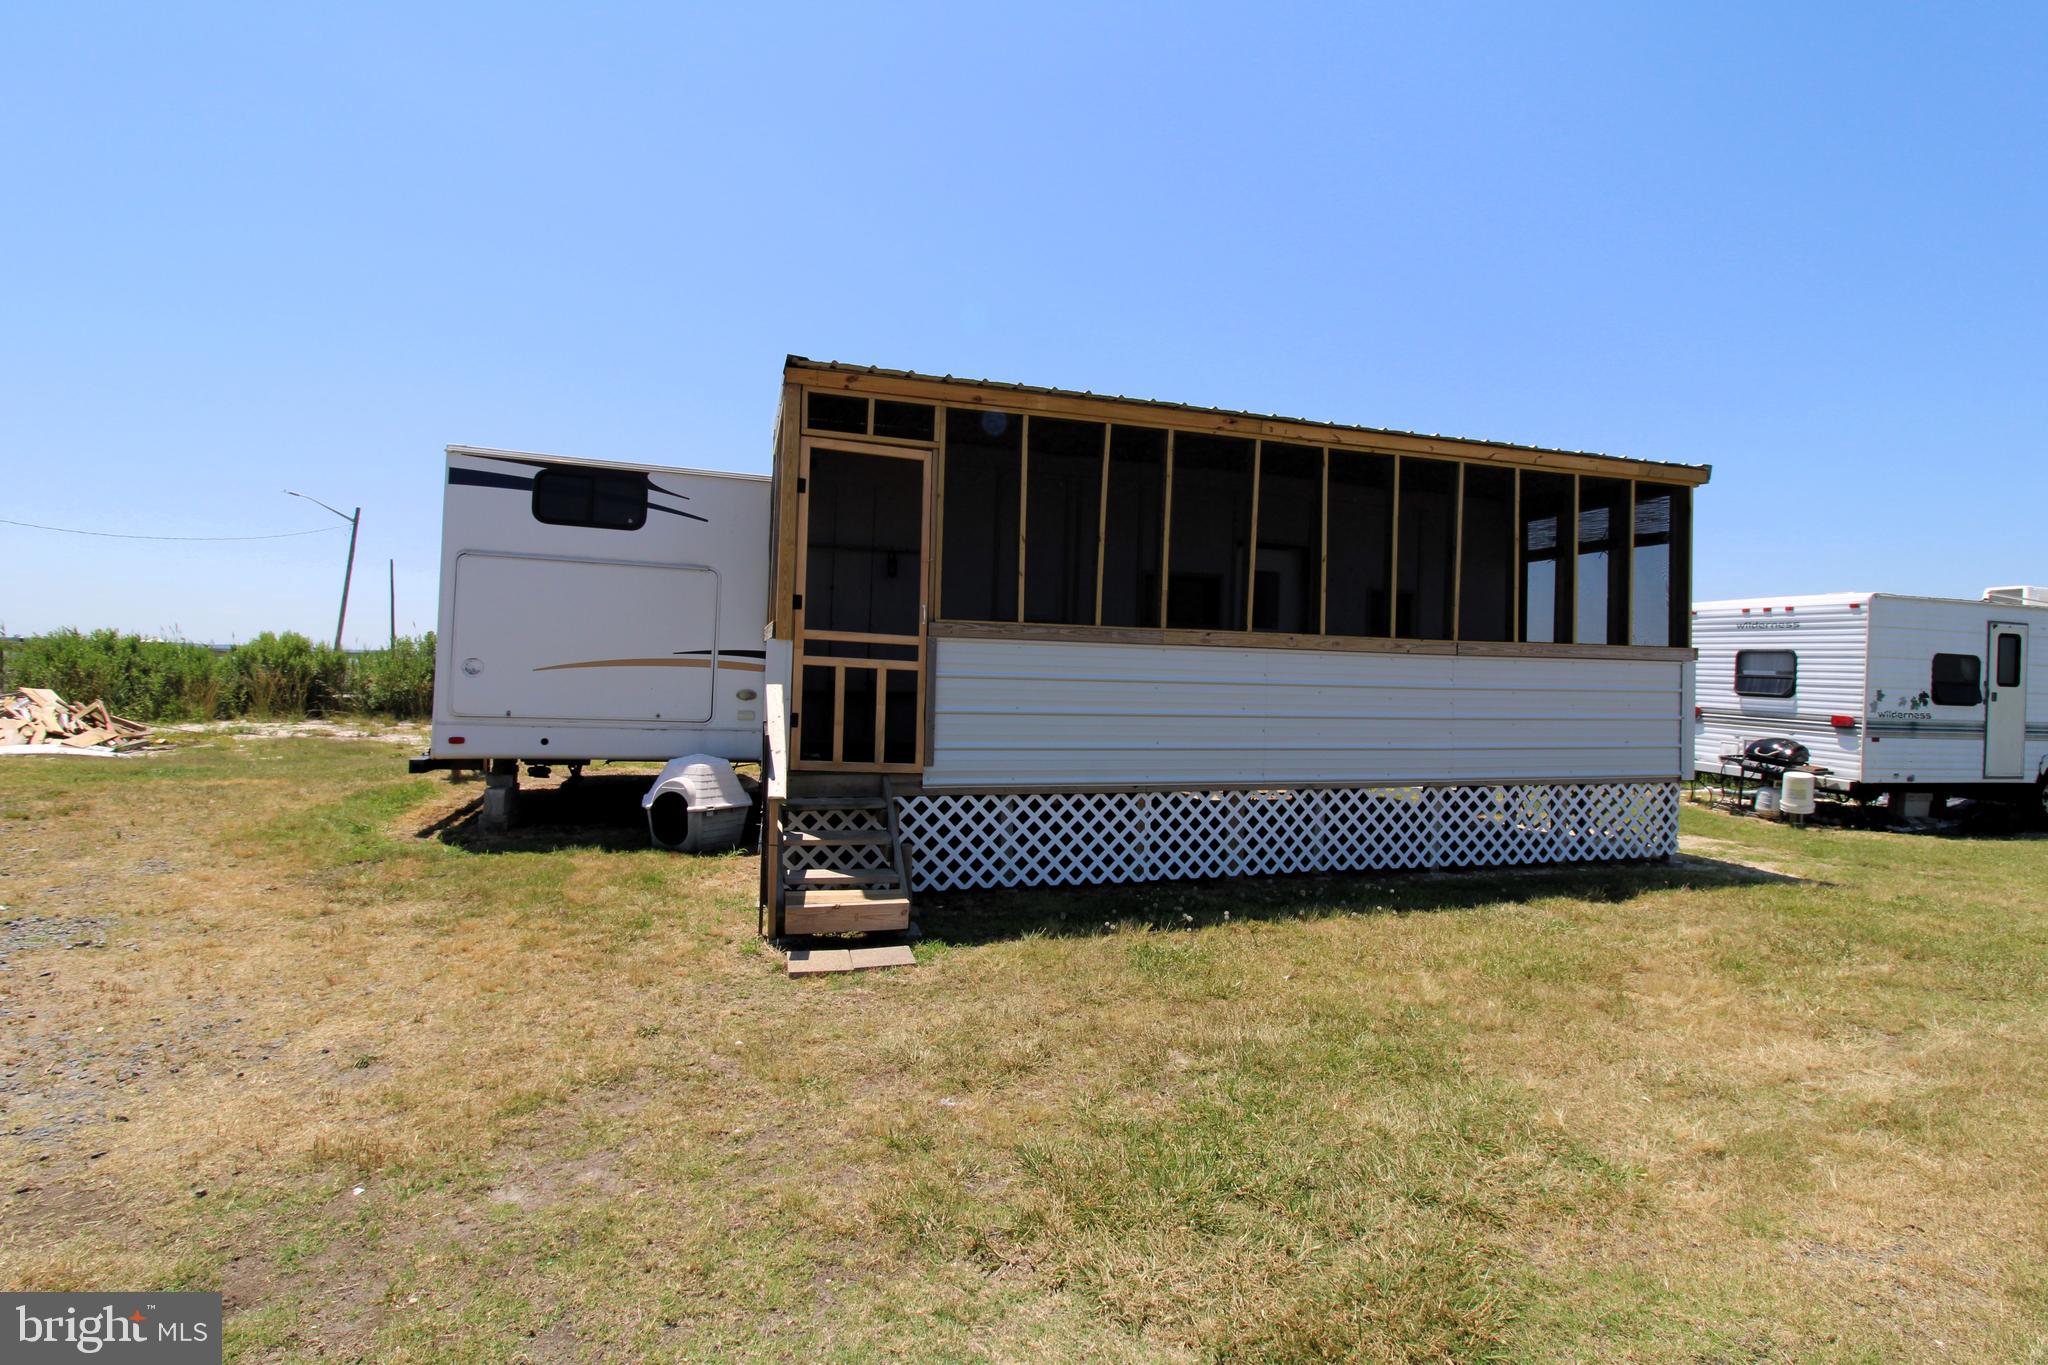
x: 126, y: 535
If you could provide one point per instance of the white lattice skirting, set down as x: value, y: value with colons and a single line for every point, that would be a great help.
x: 966, y: 840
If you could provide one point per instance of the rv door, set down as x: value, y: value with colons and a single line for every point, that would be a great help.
x: 2005, y: 706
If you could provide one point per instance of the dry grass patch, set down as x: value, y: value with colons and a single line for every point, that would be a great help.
x: 547, y: 1098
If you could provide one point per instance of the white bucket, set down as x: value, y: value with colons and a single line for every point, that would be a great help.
x: 1797, y: 797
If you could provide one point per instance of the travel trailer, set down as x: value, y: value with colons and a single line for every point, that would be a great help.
x: 982, y: 634
x: 593, y: 610
x: 1892, y: 695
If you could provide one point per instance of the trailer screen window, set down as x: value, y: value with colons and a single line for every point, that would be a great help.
x: 1766, y: 673
x: 1604, y: 521
x: 1650, y: 568
x: 1486, y: 578
x: 1958, y: 680
x: 1135, y: 527
x: 1209, y: 532
x: 1287, y: 574
x: 590, y: 497
x: 1361, y: 543
x: 1062, y: 521
x: 982, y: 497
x: 1426, y: 545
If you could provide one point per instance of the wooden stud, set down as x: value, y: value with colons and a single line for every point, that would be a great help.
x: 1515, y: 569
x: 1394, y: 559
x: 1102, y: 525
x: 1251, y: 549
x: 1323, y: 544
x: 1166, y: 533
x: 838, y: 712
x: 1023, y: 504
x: 1458, y: 553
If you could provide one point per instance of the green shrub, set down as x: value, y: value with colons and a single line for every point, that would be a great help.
x: 273, y: 675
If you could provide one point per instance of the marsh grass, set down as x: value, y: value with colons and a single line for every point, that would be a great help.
x: 1691, y: 1112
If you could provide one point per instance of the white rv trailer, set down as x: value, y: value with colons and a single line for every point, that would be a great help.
x: 1028, y: 636
x: 1890, y: 693
x: 595, y: 610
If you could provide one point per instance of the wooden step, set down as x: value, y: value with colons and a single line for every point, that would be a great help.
x: 795, y: 878
x: 844, y: 912
x: 836, y: 836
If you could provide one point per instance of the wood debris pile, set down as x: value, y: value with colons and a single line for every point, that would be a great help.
x: 38, y: 716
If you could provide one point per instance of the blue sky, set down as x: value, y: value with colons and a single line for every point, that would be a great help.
x: 246, y: 249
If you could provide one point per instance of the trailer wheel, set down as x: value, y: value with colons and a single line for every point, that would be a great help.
x: 2040, y: 811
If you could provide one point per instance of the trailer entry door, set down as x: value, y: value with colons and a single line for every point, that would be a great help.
x: 2005, y: 706
x: 863, y: 518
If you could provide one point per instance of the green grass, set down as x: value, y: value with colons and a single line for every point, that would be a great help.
x: 1672, y: 1113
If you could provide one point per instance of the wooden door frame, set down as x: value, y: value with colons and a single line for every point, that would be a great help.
x: 927, y: 456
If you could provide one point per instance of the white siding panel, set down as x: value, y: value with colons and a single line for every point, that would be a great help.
x: 1053, y: 713
x: 1829, y: 636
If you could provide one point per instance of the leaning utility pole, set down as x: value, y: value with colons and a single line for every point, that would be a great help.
x: 354, y: 524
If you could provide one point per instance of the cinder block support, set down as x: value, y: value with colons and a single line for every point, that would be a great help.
x: 501, y: 795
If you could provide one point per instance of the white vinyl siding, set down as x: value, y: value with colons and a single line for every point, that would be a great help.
x: 1827, y: 634
x: 1056, y: 714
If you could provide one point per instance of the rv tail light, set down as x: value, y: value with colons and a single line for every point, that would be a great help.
x: 1842, y: 722
x: 455, y: 739
x: 1699, y: 712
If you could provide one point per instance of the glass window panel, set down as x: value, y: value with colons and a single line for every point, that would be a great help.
x: 2008, y: 661
x: 1428, y: 508
x: 1137, y: 518
x: 1361, y: 543
x: 1486, y: 578
x: 602, y: 499
x: 1546, y: 551
x: 1062, y: 521
x: 1209, y: 535
x: 1601, y: 617
x: 1288, y: 572
x: 1766, y: 673
x: 836, y: 412
x: 1958, y: 680
x: 978, y: 561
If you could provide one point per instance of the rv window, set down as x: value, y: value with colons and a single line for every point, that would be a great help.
x: 590, y: 497
x: 2008, y: 661
x: 837, y: 412
x: 1287, y: 574
x: 978, y: 561
x: 1604, y: 512
x: 1062, y: 521
x: 1650, y: 568
x: 1209, y: 531
x: 1766, y: 673
x: 903, y: 421
x: 1135, y: 526
x: 1486, y: 575
x: 1958, y: 680
x: 1547, y: 551
x: 1361, y: 543
x: 1426, y: 544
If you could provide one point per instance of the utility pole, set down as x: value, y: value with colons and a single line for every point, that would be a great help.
x: 354, y: 524
x: 394, y: 601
